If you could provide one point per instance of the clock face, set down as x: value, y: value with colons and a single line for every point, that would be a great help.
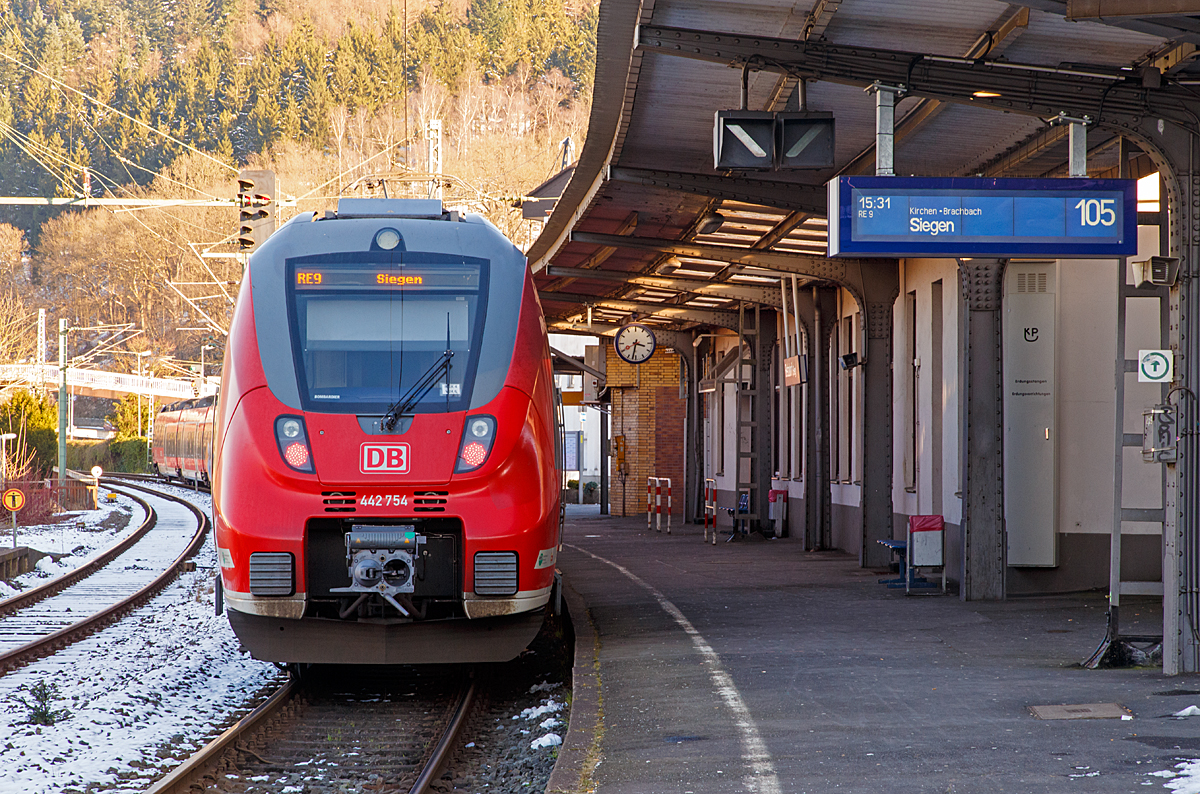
x: 634, y: 343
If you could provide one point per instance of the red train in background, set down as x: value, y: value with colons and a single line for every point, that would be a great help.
x: 182, y: 446
x: 385, y: 475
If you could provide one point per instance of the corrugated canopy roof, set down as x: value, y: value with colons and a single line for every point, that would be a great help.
x: 646, y: 170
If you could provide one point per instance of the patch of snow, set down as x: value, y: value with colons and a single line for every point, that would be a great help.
x: 49, y: 567
x: 549, y: 740
x: 1187, y: 778
x: 160, y: 682
x: 549, y: 723
x: 79, y: 537
x: 549, y: 707
x: 545, y: 686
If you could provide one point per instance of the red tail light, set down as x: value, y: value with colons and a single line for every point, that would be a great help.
x: 293, y: 443
x: 477, y: 438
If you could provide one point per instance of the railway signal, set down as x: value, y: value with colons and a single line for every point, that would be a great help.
x: 744, y: 139
x: 256, y: 207
x: 765, y: 141
x: 804, y: 140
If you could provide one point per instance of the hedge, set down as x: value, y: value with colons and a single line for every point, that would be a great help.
x: 124, y: 456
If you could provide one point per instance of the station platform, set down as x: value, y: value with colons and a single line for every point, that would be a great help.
x: 757, y: 666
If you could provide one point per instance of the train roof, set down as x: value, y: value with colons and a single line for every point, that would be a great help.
x: 196, y: 402
x: 423, y: 229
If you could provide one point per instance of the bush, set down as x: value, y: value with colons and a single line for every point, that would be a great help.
x: 124, y: 417
x: 44, y: 445
x: 39, y: 705
x: 39, y: 418
x: 128, y: 455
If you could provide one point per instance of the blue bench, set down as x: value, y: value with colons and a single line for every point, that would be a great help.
x: 900, y: 548
x: 740, y: 525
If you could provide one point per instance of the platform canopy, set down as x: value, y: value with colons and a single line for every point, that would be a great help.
x: 983, y: 84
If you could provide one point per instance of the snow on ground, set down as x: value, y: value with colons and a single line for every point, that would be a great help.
x: 1185, y: 779
x: 80, y: 536
x: 142, y: 694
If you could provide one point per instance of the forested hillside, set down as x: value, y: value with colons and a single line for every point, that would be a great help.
x: 167, y: 98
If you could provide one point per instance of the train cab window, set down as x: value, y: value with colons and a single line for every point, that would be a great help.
x: 366, y: 334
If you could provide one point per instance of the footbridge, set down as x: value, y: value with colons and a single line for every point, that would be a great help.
x: 100, y: 383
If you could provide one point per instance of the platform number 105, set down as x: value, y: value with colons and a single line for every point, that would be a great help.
x: 1096, y: 212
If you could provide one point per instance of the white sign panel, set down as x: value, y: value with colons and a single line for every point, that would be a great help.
x: 1155, y: 366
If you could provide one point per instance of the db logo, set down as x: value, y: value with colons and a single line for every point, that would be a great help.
x: 383, y: 457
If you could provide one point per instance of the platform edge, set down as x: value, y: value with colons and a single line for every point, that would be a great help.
x: 579, y: 753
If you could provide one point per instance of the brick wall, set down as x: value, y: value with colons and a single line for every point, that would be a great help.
x: 647, y: 410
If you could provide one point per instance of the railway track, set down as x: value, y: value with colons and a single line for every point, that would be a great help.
x: 189, y: 485
x: 39, y: 622
x: 339, y: 729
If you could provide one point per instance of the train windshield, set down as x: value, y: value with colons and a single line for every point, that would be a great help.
x: 367, y: 333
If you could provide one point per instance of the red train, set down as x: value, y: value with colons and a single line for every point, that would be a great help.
x: 182, y: 445
x: 385, y: 481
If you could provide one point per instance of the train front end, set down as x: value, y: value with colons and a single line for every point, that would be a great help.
x: 385, y: 487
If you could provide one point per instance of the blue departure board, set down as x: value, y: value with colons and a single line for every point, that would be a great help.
x: 950, y: 217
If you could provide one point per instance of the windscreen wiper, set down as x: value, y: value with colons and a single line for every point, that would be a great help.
x: 418, y: 390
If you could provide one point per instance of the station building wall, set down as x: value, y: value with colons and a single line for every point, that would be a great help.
x: 791, y: 419
x: 720, y: 432
x: 845, y: 425
x: 926, y: 421
x: 927, y: 409
x: 926, y: 465
x: 648, y: 411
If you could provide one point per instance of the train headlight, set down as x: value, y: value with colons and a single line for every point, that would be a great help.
x: 293, y: 443
x: 476, y: 445
x: 387, y: 239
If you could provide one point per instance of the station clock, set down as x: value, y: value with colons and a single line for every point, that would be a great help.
x: 634, y: 343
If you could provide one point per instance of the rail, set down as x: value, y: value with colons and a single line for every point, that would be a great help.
x: 710, y: 509
x: 155, y: 478
x: 50, y: 643
x: 181, y: 778
x: 654, y: 503
x: 189, y: 775
x: 448, y: 741
x: 58, y: 583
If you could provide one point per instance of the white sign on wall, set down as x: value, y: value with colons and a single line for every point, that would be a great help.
x: 1155, y: 366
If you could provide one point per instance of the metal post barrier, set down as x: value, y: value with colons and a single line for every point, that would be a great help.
x: 710, y: 508
x: 649, y: 500
x: 658, y: 504
x: 667, y: 480
x: 654, y: 503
